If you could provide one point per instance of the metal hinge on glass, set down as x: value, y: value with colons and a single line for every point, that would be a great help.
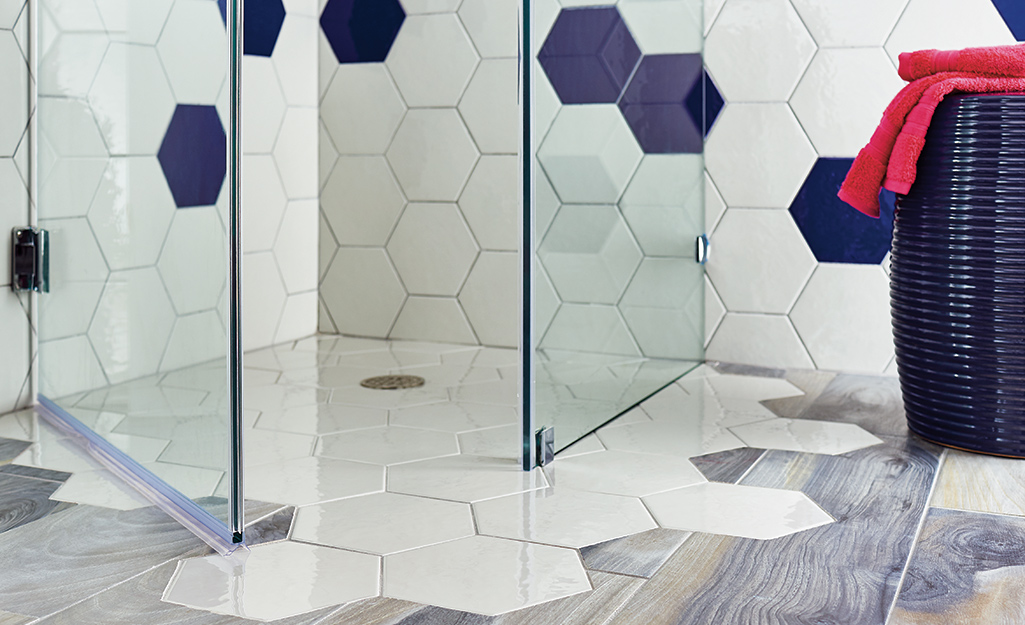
x: 701, y: 245
x: 30, y: 260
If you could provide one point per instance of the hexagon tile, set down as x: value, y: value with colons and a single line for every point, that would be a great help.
x: 193, y: 155
x: 836, y: 232
x: 589, y: 55
x: 1014, y: 15
x: 263, y: 19
x: 361, y: 31
x: 664, y: 104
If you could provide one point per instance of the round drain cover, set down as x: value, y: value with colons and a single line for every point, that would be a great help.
x: 393, y: 382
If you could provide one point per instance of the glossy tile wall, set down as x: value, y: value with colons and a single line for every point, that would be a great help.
x: 796, y: 277
x: 419, y: 184
x: 15, y: 327
x: 418, y: 170
x: 620, y: 112
x: 131, y: 167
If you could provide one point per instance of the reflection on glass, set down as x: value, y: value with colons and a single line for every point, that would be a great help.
x: 131, y: 171
x: 619, y: 113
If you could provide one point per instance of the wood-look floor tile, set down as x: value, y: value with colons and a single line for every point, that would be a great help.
x: 10, y: 448
x: 35, y: 472
x: 843, y: 572
x: 873, y: 402
x: 639, y: 555
x: 137, y: 601
x: 10, y: 618
x: 967, y: 568
x: 272, y: 528
x: 981, y: 483
x: 85, y: 550
x: 754, y: 370
x: 24, y: 500
x: 374, y: 611
x: 811, y: 382
x: 727, y: 466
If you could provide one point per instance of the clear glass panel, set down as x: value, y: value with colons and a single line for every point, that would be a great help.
x: 131, y: 162
x: 619, y: 120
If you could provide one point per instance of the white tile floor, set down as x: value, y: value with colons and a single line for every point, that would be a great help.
x: 414, y: 495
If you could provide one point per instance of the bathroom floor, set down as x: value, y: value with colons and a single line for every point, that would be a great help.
x: 732, y: 496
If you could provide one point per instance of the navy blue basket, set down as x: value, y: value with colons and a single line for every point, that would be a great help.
x: 957, y: 278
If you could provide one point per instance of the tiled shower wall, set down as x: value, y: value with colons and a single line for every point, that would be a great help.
x: 797, y: 278
x: 132, y: 122
x: 420, y: 228
x: 15, y: 329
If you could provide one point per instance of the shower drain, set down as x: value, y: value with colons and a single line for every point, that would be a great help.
x: 393, y: 382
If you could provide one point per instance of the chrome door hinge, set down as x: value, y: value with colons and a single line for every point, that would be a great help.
x: 701, y: 245
x: 544, y: 440
x: 30, y: 260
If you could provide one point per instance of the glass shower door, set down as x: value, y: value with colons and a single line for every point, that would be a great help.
x: 133, y: 185
x: 618, y: 206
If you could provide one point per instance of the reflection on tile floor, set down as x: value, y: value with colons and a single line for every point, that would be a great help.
x: 368, y: 514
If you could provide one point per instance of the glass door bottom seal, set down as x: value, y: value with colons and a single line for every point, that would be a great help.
x: 191, y: 515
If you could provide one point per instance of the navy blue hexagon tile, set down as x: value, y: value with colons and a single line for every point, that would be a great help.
x: 664, y: 104
x: 1013, y: 12
x: 589, y: 55
x: 262, y: 23
x: 222, y: 6
x: 361, y: 31
x: 836, y: 232
x: 193, y: 155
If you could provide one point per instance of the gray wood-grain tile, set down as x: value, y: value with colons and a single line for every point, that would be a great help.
x: 35, y: 472
x: 85, y: 550
x: 873, y: 402
x: 24, y: 500
x: 968, y: 567
x: 844, y: 572
x: 727, y: 466
x: 10, y: 448
x: 640, y: 555
x: 10, y: 618
x: 271, y: 528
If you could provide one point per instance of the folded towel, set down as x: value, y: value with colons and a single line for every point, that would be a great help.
x: 994, y: 61
x: 890, y: 158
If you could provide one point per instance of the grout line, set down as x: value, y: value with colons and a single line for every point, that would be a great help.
x: 918, y: 533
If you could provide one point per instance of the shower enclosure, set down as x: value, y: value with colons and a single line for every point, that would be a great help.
x: 614, y: 208
x: 136, y: 180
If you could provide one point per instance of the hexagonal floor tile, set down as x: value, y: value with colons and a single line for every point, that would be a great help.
x: 322, y: 419
x: 816, y: 437
x: 454, y: 417
x: 505, y: 441
x: 463, y: 478
x: 312, y: 480
x: 684, y: 437
x: 733, y: 510
x: 623, y: 473
x: 562, y: 517
x: 383, y: 523
x: 485, y: 575
x: 315, y: 577
x: 388, y: 445
x: 401, y: 398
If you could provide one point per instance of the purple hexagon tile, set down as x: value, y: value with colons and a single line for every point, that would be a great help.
x: 361, y: 31
x: 263, y: 20
x: 1013, y: 12
x: 193, y: 155
x: 664, y: 106
x: 835, y: 232
x: 589, y: 55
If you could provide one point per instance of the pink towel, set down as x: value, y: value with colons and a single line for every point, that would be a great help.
x: 891, y: 156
